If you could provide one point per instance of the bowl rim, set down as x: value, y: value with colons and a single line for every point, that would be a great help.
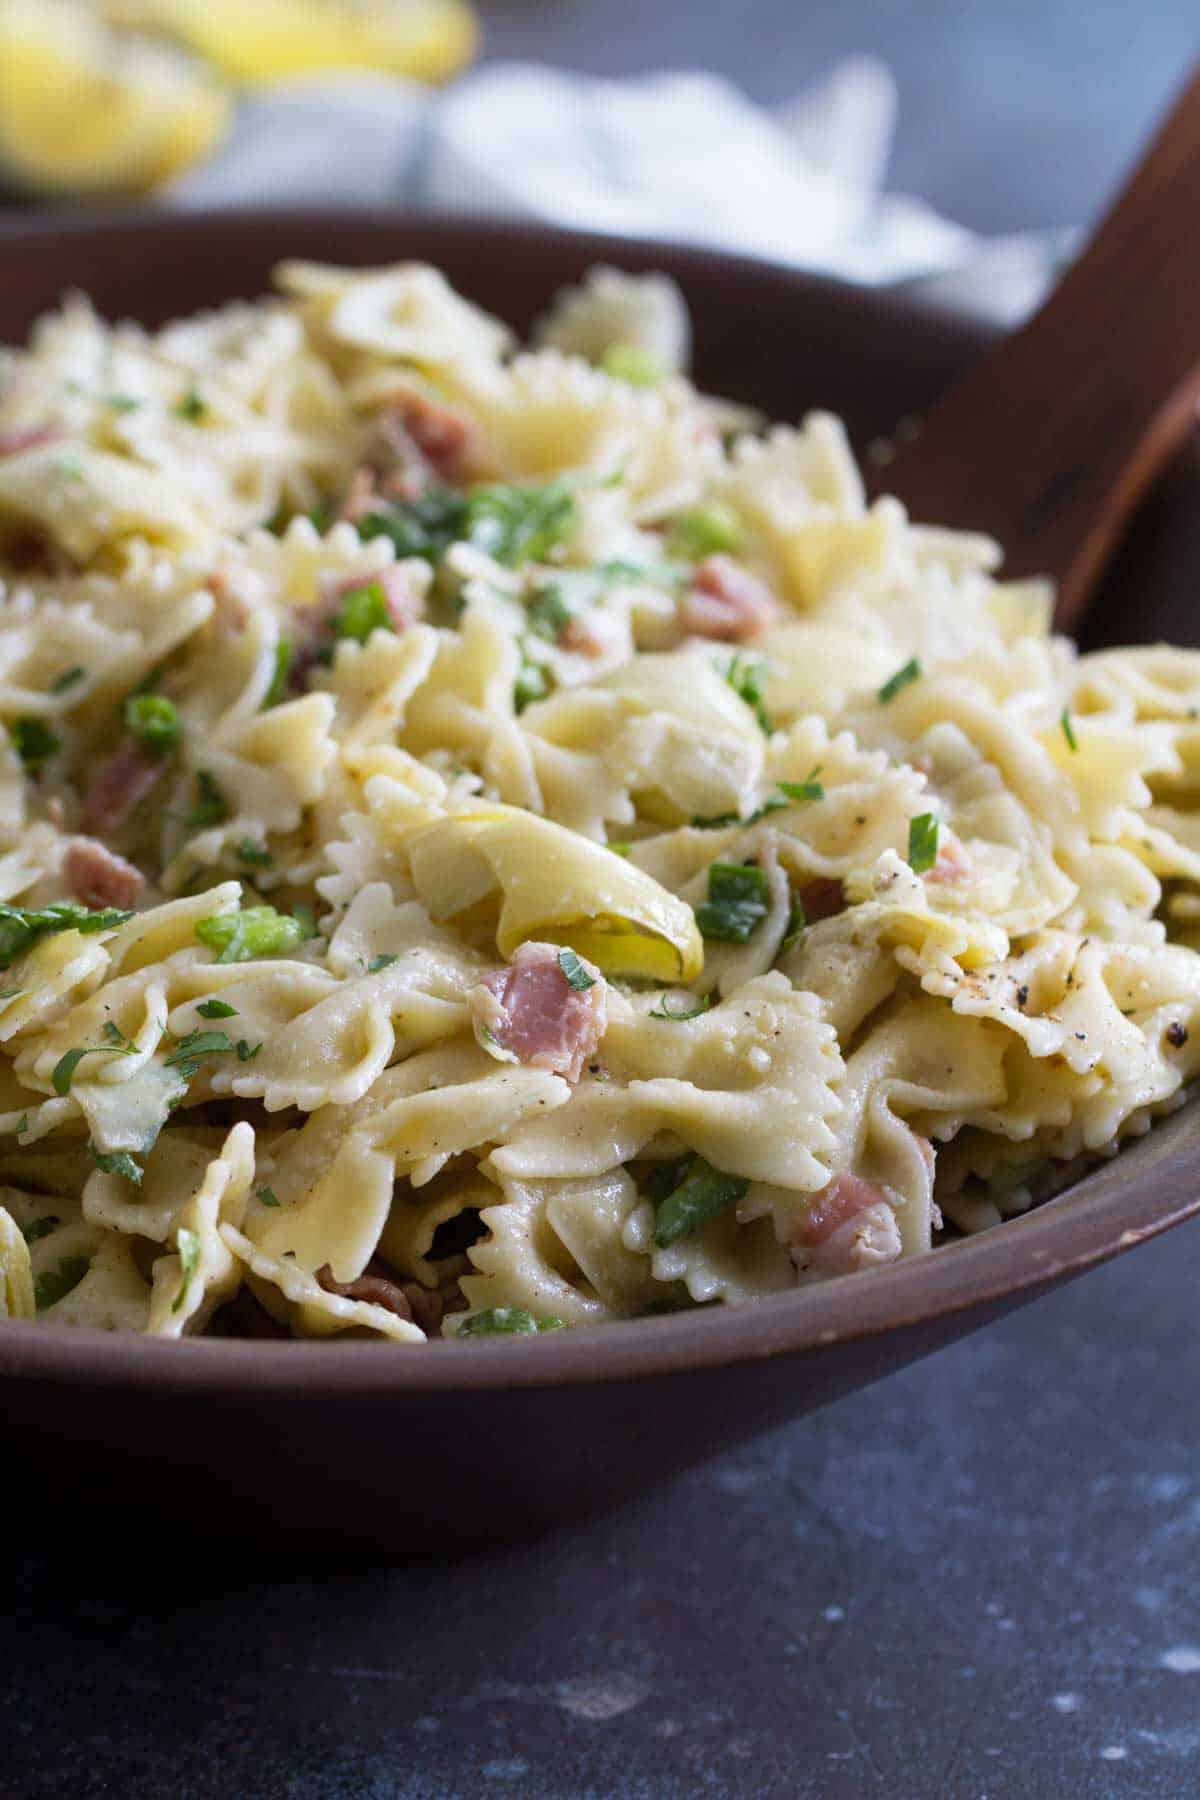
x: 1095, y: 1219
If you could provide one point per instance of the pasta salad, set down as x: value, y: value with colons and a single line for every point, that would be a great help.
x: 497, y: 840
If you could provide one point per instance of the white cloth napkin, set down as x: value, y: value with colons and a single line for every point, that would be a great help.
x: 682, y: 156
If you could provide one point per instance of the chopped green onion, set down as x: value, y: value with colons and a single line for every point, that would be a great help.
x: 808, y: 789
x: 363, y: 610
x: 896, y: 683
x: 280, y: 673
x: 703, y: 1194
x: 154, y: 721
x: 33, y: 741
x: 549, y: 613
x: 532, y: 684
x: 210, y: 807
x: 21, y: 926
x: 509, y: 1321
x: 629, y: 362
x: 192, y: 407
x: 256, y: 931
x: 216, y: 1009
x: 736, y: 904
x: 122, y: 403
x: 53, y: 1285
x: 575, y: 971
x: 382, y: 961
x: 1068, y: 731
x: 188, y: 1244
x: 745, y: 676
x: 118, y: 1163
x: 246, y: 1052
x: 693, y: 1006
x: 705, y: 531
x: 40, y: 1228
x: 267, y: 1196
x: 68, y: 678
x: 796, y: 924
x: 247, y: 851
x: 922, y: 842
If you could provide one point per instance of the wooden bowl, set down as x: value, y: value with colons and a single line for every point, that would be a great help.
x: 358, y: 1446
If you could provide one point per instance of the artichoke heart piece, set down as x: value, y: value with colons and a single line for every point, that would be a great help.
x: 557, y: 887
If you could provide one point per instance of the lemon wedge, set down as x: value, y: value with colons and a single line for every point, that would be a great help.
x: 84, y: 110
x: 558, y: 888
x: 256, y: 41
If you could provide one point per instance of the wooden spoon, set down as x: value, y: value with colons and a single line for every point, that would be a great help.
x: 1050, y: 441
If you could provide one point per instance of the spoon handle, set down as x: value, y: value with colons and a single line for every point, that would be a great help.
x: 1050, y: 441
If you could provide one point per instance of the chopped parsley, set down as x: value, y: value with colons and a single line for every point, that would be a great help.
x: 629, y: 362
x: 193, y: 1049
x: 702, y: 1194
x: 267, y: 1196
x: 519, y: 524
x: 575, y: 971
x: 256, y: 931
x: 210, y: 807
x: 895, y: 684
x: 53, y: 1285
x: 280, y: 673
x: 40, y: 1228
x: 187, y: 1243
x: 745, y: 676
x: 68, y: 678
x: 33, y: 741
x: 508, y: 1321
x: 790, y: 793
x: 383, y: 961
x: 154, y: 722
x: 1068, y: 731
x: 216, y: 1009
x: 63, y: 1073
x: 693, y: 1005
x: 705, y: 531
x: 513, y: 524
x: 736, y: 904
x: 922, y: 842
x: 119, y: 1162
x: 193, y: 407
x: 21, y: 926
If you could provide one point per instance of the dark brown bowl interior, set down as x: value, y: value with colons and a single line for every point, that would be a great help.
x: 356, y: 1445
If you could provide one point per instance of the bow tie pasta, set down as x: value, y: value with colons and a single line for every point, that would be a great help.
x: 494, y: 841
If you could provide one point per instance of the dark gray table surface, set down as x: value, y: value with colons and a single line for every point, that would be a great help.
x: 976, y: 1582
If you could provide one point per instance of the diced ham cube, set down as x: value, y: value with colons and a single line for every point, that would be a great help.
x: 953, y: 863
x: 822, y: 899
x: 28, y: 437
x: 448, y: 440
x: 120, y: 784
x: 408, y: 1300
x: 98, y: 878
x: 726, y: 602
x: 848, y: 1226
x: 532, y: 1011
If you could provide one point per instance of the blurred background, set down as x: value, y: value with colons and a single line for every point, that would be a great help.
x: 877, y: 139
